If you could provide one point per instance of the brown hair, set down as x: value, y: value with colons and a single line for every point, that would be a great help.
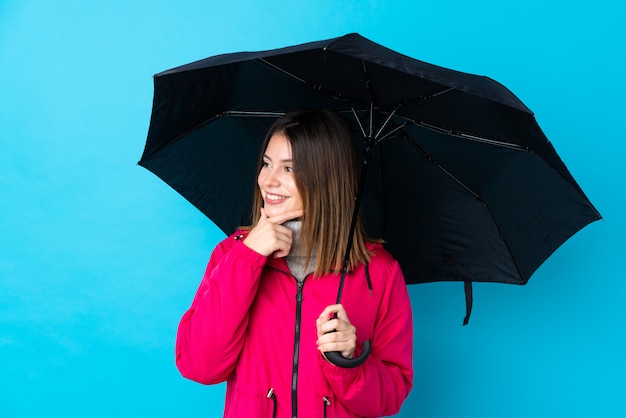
x: 326, y: 175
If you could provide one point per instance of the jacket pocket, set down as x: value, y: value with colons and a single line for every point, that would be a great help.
x: 251, y: 402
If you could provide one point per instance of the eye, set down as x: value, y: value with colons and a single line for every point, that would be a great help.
x: 265, y: 164
x: 289, y: 169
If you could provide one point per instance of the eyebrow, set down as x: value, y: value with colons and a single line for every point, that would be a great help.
x: 267, y: 157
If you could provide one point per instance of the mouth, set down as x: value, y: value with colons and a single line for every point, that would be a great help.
x: 275, y: 198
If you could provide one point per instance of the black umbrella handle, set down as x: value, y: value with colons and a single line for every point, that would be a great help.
x: 337, y: 359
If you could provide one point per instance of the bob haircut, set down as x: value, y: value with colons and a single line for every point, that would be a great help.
x: 326, y: 175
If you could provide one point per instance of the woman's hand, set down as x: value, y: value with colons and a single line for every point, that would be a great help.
x: 269, y: 236
x: 336, y: 334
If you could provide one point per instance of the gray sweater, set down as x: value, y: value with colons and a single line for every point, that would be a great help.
x: 296, y: 258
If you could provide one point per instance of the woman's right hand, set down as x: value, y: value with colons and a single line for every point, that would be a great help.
x: 269, y: 236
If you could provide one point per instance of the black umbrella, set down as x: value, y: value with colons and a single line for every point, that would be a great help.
x: 463, y: 185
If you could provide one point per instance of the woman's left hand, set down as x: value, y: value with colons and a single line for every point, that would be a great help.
x: 336, y: 334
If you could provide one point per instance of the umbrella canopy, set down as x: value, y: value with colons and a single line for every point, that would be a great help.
x: 463, y: 185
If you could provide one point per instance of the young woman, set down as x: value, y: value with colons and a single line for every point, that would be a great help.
x: 262, y: 316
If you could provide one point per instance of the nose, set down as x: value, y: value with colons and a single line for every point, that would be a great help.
x: 270, y: 178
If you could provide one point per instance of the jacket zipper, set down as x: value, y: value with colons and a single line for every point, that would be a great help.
x: 271, y: 395
x: 296, y: 352
x: 326, y: 404
x: 296, y: 343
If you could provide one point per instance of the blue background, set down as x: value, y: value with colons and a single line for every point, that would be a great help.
x: 99, y: 258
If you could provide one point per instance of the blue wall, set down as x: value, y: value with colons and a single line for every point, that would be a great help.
x: 99, y: 258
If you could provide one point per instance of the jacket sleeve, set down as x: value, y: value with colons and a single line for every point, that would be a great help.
x: 211, y: 334
x: 381, y: 384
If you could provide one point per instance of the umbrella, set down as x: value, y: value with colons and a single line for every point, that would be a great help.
x: 462, y: 183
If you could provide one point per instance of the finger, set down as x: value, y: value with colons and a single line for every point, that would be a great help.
x: 283, y: 251
x: 328, y: 322
x: 346, y: 351
x: 328, y: 311
x: 337, y: 310
x: 283, y: 240
x: 272, y: 233
x: 326, y: 326
x: 336, y: 325
x: 262, y: 217
x: 281, y: 230
x: 266, y: 237
x: 342, y: 342
x: 327, y: 316
x: 286, y: 216
x: 281, y: 233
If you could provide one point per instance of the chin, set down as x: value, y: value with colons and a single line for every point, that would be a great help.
x: 271, y: 211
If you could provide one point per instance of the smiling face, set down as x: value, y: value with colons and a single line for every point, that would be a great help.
x: 276, y: 178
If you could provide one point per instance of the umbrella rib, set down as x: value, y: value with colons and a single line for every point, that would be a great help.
x: 235, y: 113
x: 489, y: 141
x: 462, y: 135
x: 448, y: 90
x: 332, y: 93
x: 251, y: 113
x: 368, y: 86
x: 313, y: 86
x: 432, y: 160
x: 389, y: 116
x: 358, y: 120
x: 439, y: 166
x: 453, y: 177
x: 390, y: 133
x: 428, y: 97
x: 282, y: 70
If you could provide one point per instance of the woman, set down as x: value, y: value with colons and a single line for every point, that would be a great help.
x: 262, y: 316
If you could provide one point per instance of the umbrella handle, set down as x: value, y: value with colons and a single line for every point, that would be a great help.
x: 337, y: 359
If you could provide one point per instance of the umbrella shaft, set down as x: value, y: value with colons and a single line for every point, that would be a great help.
x: 367, y: 157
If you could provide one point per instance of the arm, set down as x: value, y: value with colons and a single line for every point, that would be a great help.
x: 211, y: 333
x: 380, y: 385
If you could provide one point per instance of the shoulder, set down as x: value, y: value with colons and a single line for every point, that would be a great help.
x: 386, y: 274
x: 382, y: 264
x: 379, y: 255
x: 230, y: 241
x: 233, y: 238
x: 234, y: 251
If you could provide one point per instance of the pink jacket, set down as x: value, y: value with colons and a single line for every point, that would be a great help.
x: 253, y: 325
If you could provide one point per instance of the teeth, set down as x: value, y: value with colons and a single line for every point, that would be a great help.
x: 274, y: 197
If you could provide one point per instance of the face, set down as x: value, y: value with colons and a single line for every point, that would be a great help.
x: 276, y: 179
